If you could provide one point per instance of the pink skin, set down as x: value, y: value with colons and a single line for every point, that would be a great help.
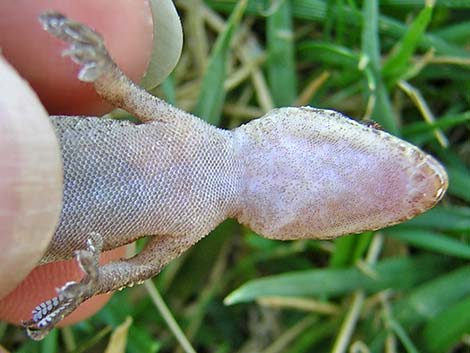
x: 127, y: 29
x: 315, y: 174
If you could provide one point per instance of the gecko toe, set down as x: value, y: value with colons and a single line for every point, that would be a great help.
x: 71, y: 31
x: 87, y: 46
x: 48, y: 313
x: 36, y: 334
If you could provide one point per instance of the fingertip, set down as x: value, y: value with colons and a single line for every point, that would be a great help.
x: 126, y: 26
x: 30, y: 179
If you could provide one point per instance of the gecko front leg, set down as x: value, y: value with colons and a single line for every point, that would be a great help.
x: 88, y: 50
x: 97, y: 279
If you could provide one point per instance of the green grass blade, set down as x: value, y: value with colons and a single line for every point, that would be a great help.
x: 28, y: 347
x: 329, y: 53
x: 362, y: 245
x: 395, y: 273
x: 433, y: 297
x: 370, y: 33
x: 281, y: 60
x: 456, y: 33
x: 453, y: 219
x: 168, y: 88
x: 447, y: 328
x: 383, y: 112
x: 212, y: 94
x: 452, y: 4
x: 140, y: 341
x: 314, y: 337
x: 316, y: 10
x: 397, y: 63
x: 349, y: 249
x: 459, y: 181
x: 51, y: 342
x: 443, y: 123
x: 400, y: 332
x: 344, y: 247
x: 433, y: 241
x: 426, y: 302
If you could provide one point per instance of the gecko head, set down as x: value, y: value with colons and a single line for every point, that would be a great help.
x: 313, y: 173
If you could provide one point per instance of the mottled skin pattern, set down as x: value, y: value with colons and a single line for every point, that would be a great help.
x: 294, y: 173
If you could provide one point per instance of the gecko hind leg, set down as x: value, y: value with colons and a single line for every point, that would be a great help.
x: 47, y: 314
x: 99, y: 279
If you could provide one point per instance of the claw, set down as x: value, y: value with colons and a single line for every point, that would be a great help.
x: 47, y: 314
x: 51, y: 20
x: 37, y: 334
x: 89, y: 73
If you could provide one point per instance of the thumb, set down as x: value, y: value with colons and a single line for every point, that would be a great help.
x: 30, y: 179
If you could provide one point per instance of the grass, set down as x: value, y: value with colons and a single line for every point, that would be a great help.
x: 402, y: 289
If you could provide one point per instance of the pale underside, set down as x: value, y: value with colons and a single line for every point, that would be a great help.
x: 294, y: 173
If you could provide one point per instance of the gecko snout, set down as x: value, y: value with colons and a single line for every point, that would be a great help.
x: 428, y: 184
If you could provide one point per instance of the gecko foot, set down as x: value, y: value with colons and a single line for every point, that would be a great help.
x: 47, y: 314
x: 87, y: 47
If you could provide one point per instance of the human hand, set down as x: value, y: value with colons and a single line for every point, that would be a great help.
x: 30, y: 173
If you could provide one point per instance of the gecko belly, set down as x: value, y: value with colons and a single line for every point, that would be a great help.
x: 126, y: 181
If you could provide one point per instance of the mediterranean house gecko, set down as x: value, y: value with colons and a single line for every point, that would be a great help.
x: 293, y: 173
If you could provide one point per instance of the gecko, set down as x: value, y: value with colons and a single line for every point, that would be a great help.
x: 294, y: 173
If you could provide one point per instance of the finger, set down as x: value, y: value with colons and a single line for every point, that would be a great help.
x: 125, y: 25
x: 30, y: 179
x: 127, y: 28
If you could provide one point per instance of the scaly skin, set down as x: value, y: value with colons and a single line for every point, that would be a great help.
x: 294, y: 173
